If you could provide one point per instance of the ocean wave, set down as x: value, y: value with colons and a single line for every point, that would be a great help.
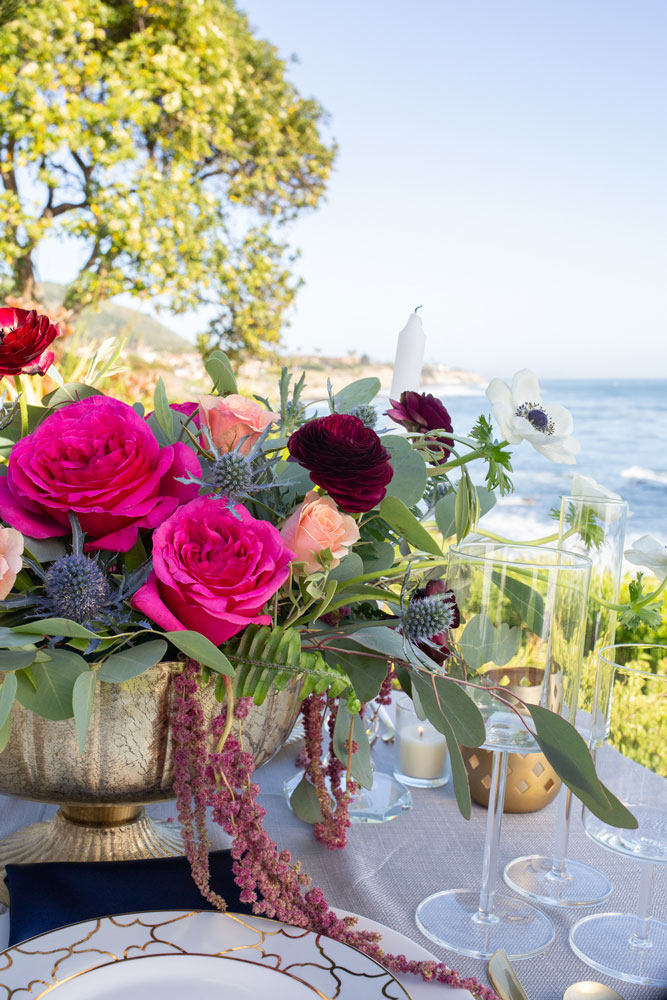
x: 642, y: 475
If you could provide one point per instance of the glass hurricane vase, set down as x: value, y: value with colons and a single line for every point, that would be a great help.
x: 522, y: 607
x: 596, y: 528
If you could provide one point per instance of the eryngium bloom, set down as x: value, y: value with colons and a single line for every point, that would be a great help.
x: 345, y: 458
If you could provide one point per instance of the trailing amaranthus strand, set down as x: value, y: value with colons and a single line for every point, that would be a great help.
x: 269, y: 880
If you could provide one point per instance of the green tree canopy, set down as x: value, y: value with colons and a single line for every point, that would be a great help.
x: 167, y: 141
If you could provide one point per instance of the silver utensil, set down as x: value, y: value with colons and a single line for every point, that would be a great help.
x: 589, y: 990
x: 504, y: 979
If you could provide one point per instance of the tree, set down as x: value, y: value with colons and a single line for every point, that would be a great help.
x: 165, y: 138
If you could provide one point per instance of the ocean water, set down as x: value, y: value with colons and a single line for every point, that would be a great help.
x: 622, y: 427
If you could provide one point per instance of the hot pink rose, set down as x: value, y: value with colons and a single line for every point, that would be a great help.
x: 316, y: 525
x: 213, y: 572
x: 232, y: 418
x: 11, y: 563
x: 100, y: 460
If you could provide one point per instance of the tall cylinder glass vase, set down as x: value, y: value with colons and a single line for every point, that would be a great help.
x: 594, y: 527
x: 523, y: 607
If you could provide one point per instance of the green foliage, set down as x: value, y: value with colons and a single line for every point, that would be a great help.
x: 266, y: 656
x: 147, y: 129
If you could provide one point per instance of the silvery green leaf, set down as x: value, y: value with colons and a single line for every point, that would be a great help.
x: 483, y: 642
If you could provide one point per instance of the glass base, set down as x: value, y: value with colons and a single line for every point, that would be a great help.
x: 386, y: 800
x: 607, y: 942
x: 452, y: 919
x: 533, y: 877
x: 412, y: 782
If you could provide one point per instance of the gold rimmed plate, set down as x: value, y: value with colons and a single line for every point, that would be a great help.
x: 163, y: 953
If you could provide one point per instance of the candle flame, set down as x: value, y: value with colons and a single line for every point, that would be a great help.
x: 420, y: 731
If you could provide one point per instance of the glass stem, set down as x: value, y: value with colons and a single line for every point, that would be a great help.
x: 640, y: 937
x: 558, y: 865
x: 494, y: 821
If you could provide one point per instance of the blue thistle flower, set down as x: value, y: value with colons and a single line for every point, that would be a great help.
x: 232, y: 475
x: 428, y: 616
x: 77, y: 588
x: 367, y: 413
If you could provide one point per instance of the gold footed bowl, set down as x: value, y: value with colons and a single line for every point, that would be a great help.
x: 127, y: 763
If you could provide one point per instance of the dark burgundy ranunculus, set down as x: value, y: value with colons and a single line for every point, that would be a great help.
x: 439, y: 650
x: 345, y: 458
x: 24, y: 339
x: 419, y: 412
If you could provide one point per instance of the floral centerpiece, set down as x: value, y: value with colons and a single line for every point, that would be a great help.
x: 257, y: 540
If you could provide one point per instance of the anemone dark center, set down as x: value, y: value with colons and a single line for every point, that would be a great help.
x: 536, y: 416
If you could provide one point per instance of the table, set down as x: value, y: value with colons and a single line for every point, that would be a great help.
x: 388, y: 868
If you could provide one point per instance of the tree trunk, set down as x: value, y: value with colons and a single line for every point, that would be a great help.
x: 24, y: 276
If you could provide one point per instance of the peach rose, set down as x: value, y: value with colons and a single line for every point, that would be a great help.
x: 231, y: 418
x: 318, y: 525
x: 11, y: 563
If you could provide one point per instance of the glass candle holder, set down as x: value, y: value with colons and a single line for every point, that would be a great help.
x: 421, y: 751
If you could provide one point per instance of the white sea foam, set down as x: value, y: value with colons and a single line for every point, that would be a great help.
x: 643, y: 475
x: 518, y: 522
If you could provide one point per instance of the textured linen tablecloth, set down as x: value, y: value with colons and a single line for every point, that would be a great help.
x: 388, y: 868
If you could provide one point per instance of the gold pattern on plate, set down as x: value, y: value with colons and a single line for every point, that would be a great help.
x: 264, y: 946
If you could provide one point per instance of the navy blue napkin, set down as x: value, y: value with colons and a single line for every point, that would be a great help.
x: 55, y: 893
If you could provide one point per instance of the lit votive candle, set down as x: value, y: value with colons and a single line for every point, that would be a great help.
x: 421, y: 751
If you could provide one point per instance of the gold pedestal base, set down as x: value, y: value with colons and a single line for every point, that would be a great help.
x: 91, y: 833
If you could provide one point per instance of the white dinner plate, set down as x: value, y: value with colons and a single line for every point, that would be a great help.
x: 170, y: 954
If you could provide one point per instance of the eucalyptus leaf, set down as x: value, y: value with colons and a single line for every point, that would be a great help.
x: 445, y: 515
x: 131, y: 661
x: 83, y: 696
x: 366, y: 672
x: 361, y: 760
x: 71, y: 392
x: 7, y: 696
x: 55, y: 627
x: 482, y: 642
x: 54, y: 679
x: 45, y: 549
x: 221, y: 374
x: 16, y: 659
x: 441, y: 723
x: 569, y: 756
x: 448, y: 706
x: 201, y: 649
x: 377, y: 556
x: 349, y: 567
x: 381, y: 639
x: 409, y: 480
x: 405, y: 524
x: 5, y: 732
x: 305, y: 804
x: 364, y: 390
x: 525, y: 600
x: 487, y: 500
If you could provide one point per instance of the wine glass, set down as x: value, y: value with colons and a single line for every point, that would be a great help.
x: 595, y: 527
x: 628, y: 740
x: 521, y: 606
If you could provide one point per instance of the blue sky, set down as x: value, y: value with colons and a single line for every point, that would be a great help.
x: 503, y: 163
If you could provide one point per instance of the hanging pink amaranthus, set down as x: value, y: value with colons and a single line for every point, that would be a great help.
x: 268, y: 878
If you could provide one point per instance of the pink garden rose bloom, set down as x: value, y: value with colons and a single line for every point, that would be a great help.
x: 213, y: 572
x: 11, y: 563
x: 316, y: 525
x: 100, y: 460
x: 232, y: 418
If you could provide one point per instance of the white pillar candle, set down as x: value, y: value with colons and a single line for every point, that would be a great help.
x: 422, y: 751
x: 409, y: 357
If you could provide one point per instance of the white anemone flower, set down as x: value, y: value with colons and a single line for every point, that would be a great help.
x: 522, y: 415
x: 586, y: 488
x: 648, y: 552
